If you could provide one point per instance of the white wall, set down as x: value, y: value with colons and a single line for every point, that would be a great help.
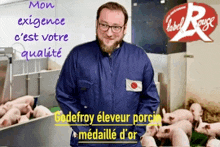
x: 203, y: 80
x: 80, y: 16
x: 177, y: 80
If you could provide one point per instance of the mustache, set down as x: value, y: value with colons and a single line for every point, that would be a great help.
x: 111, y: 38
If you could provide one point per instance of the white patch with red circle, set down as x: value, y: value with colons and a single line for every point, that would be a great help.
x: 132, y: 85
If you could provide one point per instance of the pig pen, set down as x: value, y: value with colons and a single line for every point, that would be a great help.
x: 38, y: 78
x: 211, y: 114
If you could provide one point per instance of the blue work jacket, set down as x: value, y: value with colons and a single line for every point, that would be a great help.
x: 91, y: 82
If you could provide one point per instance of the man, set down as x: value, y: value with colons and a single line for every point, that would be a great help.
x: 108, y: 75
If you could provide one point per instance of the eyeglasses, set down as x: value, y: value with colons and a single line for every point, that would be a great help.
x: 115, y: 29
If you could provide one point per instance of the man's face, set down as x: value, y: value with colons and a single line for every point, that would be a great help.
x: 110, y: 40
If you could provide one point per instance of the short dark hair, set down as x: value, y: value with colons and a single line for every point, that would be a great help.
x: 113, y: 6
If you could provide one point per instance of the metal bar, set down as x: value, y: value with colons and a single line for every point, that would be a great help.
x: 27, y: 79
x: 11, y: 76
x: 3, y: 74
x: 39, y: 78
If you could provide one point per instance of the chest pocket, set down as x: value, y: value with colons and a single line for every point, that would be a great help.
x: 85, y: 92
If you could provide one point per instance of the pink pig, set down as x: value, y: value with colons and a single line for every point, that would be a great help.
x: 213, y: 142
x: 3, y: 110
x: 179, y: 138
x: 40, y: 111
x: 185, y: 125
x: 24, y: 108
x: 176, y: 135
x: 211, y: 130
x: 177, y: 115
x: 10, y: 118
x: 151, y: 130
x: 25, y: 99
x: 148, y: 141
x: 24, y: 118
x: 197, y: 112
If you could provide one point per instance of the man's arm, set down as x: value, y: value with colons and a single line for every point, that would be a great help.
x: 149, y: 99
x: 66, y: 90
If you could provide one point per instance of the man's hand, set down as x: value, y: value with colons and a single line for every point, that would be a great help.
x: 75, y: 135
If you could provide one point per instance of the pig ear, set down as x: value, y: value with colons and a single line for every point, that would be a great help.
x: 163, y: 111
x: 167, y: 131
x: 171, y: 117
x: 207, y: 126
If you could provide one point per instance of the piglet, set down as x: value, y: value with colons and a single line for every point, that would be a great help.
x: 24, y: 108
x: 151, y: 130
x: 40, y: 111
x: 185, y: 125
x: 11, y: 117
x: 213, y: 142
x: 24, y: 118
x: 176, y: 135
x: 177, y: 115
x: 197, y: 112
x: 179, y: 138
x: 211, y: 130
x: 25, y: 99
x: 148, y: 141
x: 3, y: 110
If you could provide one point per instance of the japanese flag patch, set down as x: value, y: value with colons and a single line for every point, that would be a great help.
x: 132, y: 85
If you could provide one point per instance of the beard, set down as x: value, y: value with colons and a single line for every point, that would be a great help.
x: 108, y: 49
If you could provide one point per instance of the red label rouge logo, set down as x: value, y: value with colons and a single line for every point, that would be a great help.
x: 190, y: 22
